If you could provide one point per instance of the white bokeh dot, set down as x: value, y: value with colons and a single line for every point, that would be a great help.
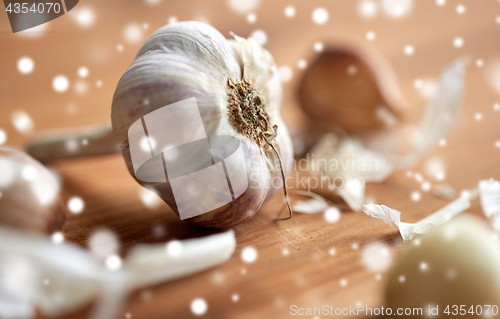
x: 29, y: 173
x: 84, y: 17
x: 113, y: 262
x: 343, y: 282
x: 426, y: 186
x: 259, y: 36
x: 397, y: 9
x: 318, y: 46
x: 174, y: 248
x: 133, y: 33
x: 376, y: 256
x: 149, y: 198
x: 199, y: 306
x: 424, y: 266
x: 60, y: 83
x: 249, y: 254
x: 103, y: 243
x: 409, y: 50
x: 332, y: 215
x: 172, y: 19
x: 3, y: 137
x: 496, y: 106
x: 22, y: 121
x: 83, y: 72
x: 57, y: 237
x: 320, y: 16
x: 25, y: 65
x: 286, y: 73
x: 479, y: 63
x: 458, y: 42
x: 368, y: 9
x: 289, y: 12
x: 251, y: 17
x: 497, y: 144
x: 302, y: 64
x: 478, y: 116
x: 243, y: 6
x: 370, y: 35
x: 415, y: 196
x: 440, y: 2
x: 460, y: 9
x: 235, y: 297
x: 153, y: 2
x: 440, y: 176
x: 76, y: 205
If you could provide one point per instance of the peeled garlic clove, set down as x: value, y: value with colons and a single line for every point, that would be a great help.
x: 455, y: 264
x: 74, y: 142
x: 229, y: 80
x: 29, y: 194
x: 352, y: 87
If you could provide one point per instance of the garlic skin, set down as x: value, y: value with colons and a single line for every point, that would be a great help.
x: 29, y: 194
x: 192, y: 59
x: 351, y: 87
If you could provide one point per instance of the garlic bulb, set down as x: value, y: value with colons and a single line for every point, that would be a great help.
x: 29, y: 194
x: 237, y: 94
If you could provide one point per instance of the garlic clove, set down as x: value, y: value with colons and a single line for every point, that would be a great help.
x: 29, y: 194
x: 352, y: 87
x: 455, y: 264
x: 189, y: 60
x: 71, y: 143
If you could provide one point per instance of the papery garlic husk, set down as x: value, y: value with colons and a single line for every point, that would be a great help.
x: 191, y: 59
x: 29, y: 194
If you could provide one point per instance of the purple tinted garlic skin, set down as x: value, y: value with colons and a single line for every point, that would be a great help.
x: 29, y: 194
x: 192, y: 59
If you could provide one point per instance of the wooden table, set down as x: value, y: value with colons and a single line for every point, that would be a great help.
x: 309, y: 276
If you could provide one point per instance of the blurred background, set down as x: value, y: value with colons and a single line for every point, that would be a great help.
x: 63, y: 74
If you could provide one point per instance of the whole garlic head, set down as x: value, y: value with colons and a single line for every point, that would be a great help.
x: 29, y: 194
x: 238, y: 93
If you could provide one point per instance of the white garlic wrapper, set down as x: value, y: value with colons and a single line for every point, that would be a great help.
x: 29, y: 194
x: 231, y: 81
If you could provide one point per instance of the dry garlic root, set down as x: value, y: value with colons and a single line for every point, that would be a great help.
x: 238, y: 93
x: 29, y: 194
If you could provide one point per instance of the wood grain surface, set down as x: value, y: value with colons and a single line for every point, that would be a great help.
x: 308, y: 276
